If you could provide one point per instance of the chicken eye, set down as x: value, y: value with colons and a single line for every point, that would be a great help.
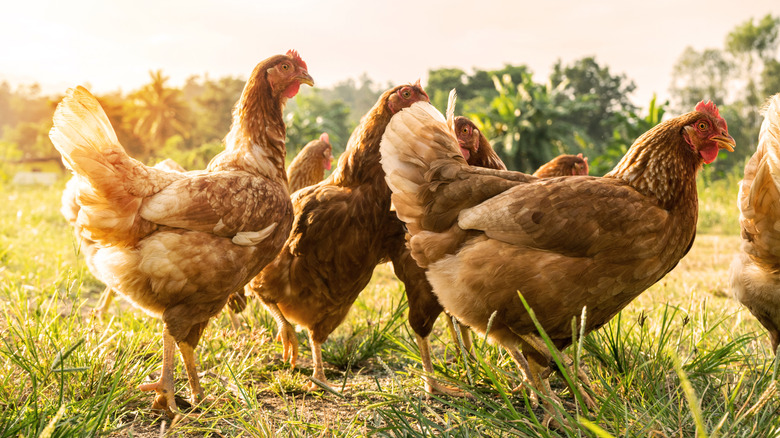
x: 285, y: 66
x: 405, y: 93
x: 465, y: 130
x: 702, y: 126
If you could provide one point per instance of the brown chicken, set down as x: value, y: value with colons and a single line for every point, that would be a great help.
x: 306, y: 169
x: 563, y: 243
x: 178, y: 244
x: 755, y: 272
x: 343, y: 228
x: 564, y: 165
x: 477, y: 151
x: 474, y: 146
x: 309, y: 166
x: 70, y: 210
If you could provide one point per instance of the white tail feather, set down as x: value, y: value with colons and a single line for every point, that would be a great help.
x: 451, y: 108
x: 415, y: 137
x: 83, y: 135
x: 81, y: 128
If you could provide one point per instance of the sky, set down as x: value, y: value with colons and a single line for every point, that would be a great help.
x: 113, y: 45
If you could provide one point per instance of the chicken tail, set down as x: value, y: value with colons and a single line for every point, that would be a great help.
x: 759, y: 192
x: 416, y: 140
x: 106, y: 195
x: 453, y: 97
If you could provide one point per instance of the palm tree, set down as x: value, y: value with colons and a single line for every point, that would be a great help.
x: 159, y: 112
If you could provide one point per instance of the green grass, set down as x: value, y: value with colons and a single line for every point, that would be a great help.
x: 682, y: 360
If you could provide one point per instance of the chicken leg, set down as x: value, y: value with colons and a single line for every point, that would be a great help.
x: 431, y: 385
x: 105, y: 301
x: 164, y: 387
x: 187, y: 349
x: 286, y: 334
x: 525, y: 370
x: 319, y: 368
x: 539, y: 360
x: 465, y: 334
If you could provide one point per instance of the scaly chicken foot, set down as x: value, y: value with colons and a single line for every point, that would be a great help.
x: 525, y: 371
x: 319, y: 369
x: 286, y: 335
x: 539, y: 374
x: 164, y: 387
x: 105, y: 301
x: 188, y: 356
x: 431, y: 385
x: 580, y: 382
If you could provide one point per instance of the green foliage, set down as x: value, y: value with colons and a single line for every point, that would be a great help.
x: 310, y: 116
x: 761, y: 39
x: 526, y: 123
x: 627, y: 128
x: 475, y: 91
x: 211, y: 103
x: 359, y: 95
x: 157, y: 113
x: 600, y: 96
x: 700, y: 76
x: 739, y: 78
x: 577, y: 110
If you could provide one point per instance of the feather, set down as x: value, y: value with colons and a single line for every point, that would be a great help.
x: 451, y: 108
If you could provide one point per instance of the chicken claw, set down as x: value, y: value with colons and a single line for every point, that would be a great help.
x: 525, y: 370
x: 164, y: 387
x: 289, y: 340
x: 431, y: 385
x: 286, y: 334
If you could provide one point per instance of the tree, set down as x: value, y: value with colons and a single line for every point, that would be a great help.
x: 754, y: 48
x: 627, y: 127
x: 360, y: 96
x: 311, y: 116
x: 159, y: 112
x: 475, y: 91
x: 601, y: 97
x: 700, y: 75
x: 770, y: 77
x: 755, y: 42
x: 526, y: 123
x: 738, y: 78
x: 441, y: 81
x: 211, y: 103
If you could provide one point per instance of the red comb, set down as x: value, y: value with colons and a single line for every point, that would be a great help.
x: 708, y: 108
x: 297, y: 58
x: 324, y: 137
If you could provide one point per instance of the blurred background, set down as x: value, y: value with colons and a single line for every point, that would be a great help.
x: 539, y: 78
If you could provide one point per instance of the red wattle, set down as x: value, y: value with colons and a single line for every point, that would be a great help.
x: 709, y: 154
x: 292, y: 90
x: 465, y: 152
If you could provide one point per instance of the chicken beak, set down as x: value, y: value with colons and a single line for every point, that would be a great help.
x: 304, y: 78
x: 725, y: 141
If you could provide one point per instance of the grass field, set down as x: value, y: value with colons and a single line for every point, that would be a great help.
x: 682, y: 360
